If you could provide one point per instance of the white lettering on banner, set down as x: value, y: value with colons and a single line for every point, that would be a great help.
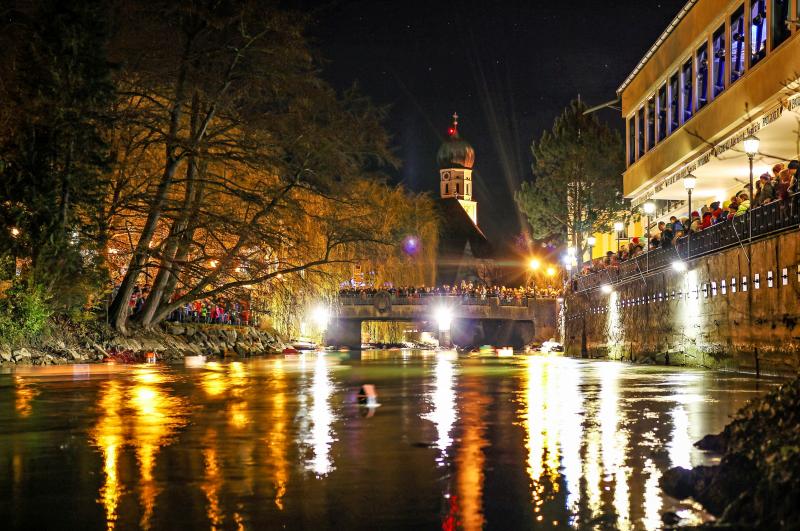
x: 703, y: 158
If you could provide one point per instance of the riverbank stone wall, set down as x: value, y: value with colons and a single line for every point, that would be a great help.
x: 172, y: 343
x: 725, y: 311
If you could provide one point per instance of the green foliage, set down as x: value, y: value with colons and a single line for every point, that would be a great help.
x: 55, y: 156
x: 24, y: 314
x: 577, y: 183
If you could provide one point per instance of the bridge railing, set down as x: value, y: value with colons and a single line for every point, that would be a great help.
x: 424, y: 299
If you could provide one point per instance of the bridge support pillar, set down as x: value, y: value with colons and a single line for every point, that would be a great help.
x: 344, y: 333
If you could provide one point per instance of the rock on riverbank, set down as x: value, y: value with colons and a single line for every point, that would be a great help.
x: 171, y: 343
x: 756, y: 485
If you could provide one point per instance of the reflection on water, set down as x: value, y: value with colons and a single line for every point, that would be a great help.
x: 141, y: 415
x: 458, y: 443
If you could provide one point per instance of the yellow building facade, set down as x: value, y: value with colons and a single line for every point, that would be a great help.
x: 721, y: 71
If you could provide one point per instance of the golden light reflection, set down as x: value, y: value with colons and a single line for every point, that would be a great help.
x: 443, y: 399
x: 321, y: 436
x: 552, y: 417
x: 278, y: 438
x: 157, y: 416
x: 24, y: 395
x: 108, y: 436
x: 470, y: 458
x: 141, y: 415
x: 213, y: 380
x: 212, y: 481
x: 614, y: 441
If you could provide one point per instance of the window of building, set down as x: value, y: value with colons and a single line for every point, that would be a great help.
x: 662, y: 113
x: 737, y: 44
x: 457, y: 188
x: 446, y: 189
x: 758, y: 30
x: 718, y: 41
x: 640, y: 131
x: 686, y: 95
x: 674, y: 98
x: 631, y: 140
x: 780, y: 22
x: 702, y: 75
x: 651, y: 123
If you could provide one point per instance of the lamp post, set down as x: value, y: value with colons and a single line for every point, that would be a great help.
x: 591, y: 241
x: 689, y: 182
x: 533, y: 266
x: 649, y: 210
x: 618, y: 226
x: 751, y: 144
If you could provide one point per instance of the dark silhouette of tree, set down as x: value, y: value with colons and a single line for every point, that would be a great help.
x: 577, y: 179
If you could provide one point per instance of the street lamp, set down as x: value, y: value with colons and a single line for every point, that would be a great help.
x: 618, y: 226
x: 592, y: 241
x: 649, y: 210
x: 751, y: 144
x: 689, y: 182
x: 534, y: 264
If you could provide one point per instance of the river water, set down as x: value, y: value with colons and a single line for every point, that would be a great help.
x: 515, y: 443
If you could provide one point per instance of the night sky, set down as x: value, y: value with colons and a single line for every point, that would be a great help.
x: 507, y: 68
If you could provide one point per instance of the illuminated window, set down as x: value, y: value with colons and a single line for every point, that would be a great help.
x: 780, y: 22
x: 719, y: 60
x: 686, y: 95
x: 758, y: 30
x: 651, y: 123
x: 702, y: 76
x: 674, y: 98
x: 640, y: 131
x: 631, y: 140
x: 662, y: 113
x: 737, y: 44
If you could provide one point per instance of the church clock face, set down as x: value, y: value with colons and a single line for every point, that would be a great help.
x: 446, y: 176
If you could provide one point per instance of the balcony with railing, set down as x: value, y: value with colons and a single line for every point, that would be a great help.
x: 769, y: 219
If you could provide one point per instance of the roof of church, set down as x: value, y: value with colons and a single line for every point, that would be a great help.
x: 458, y: 230
x: 455, y: 152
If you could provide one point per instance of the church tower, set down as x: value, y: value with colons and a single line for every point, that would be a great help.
x: 456, y: 158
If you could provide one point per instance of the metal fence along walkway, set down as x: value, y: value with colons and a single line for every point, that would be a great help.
x: 769, y: 219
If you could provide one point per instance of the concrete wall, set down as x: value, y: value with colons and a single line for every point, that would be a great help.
x: 740, y: 330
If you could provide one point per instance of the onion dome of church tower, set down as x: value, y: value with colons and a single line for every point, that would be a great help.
x: 455, y: 152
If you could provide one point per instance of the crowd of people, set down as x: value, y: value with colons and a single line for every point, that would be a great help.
x: 217, y: 311
x: 467, y: 290
x: 777, y: 186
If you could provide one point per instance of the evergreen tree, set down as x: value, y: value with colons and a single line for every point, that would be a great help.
x: 577, y: 183
x: 54, y: 156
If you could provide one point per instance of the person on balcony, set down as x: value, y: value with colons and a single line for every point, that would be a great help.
x: 666, y: 237
x: 766, y: 192
x: 792, y: 167
x: 676, y: 225
x: 744, y: 204
x: 776, y: 173
x: 696, y: 223
x: 707, y: 221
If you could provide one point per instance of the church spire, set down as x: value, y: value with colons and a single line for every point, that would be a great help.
x: 453, y: 131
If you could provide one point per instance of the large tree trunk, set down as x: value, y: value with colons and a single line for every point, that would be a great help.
x: 118, y: 312
x: 177, y: 230
x: 168, y: 262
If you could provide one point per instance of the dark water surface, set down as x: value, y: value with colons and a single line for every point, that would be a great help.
x: 528, y: 442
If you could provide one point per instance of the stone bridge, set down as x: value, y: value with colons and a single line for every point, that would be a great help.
x: 474, y: 321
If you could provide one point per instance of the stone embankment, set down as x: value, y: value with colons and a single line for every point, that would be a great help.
x: 756, y: 485
x: 171, y: 343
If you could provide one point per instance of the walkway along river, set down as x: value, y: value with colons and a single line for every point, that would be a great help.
x: 282, y: 443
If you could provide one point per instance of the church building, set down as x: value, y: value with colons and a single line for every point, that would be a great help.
x: 464, y: 252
